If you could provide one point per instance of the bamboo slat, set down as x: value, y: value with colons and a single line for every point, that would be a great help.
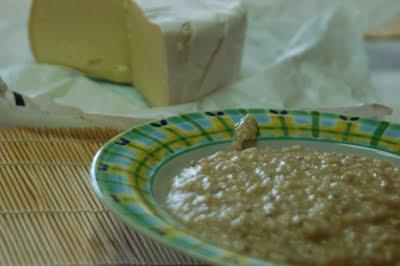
x: 49, y: 214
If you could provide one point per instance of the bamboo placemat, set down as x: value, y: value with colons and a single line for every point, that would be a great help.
x: 49, y: 214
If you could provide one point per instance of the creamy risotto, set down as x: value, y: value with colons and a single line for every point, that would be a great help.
x: 294, y: 204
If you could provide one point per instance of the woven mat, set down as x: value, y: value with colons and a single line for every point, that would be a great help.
x: 49, y: 214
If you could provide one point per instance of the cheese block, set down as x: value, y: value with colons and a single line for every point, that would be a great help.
x: 172, y: 51
x: 88, y: 35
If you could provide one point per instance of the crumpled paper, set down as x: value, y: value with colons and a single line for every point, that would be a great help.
x: 298, y: 54
x: 17, y: 109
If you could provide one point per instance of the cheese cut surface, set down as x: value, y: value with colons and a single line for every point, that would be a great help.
x: 88, y: 35
x: 172, y: 51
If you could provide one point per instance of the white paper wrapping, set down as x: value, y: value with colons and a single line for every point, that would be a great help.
x: 298, y: 54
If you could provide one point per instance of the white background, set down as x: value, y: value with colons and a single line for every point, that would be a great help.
x: 384, y: 56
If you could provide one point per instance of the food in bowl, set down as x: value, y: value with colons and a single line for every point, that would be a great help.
x: 296, y: 205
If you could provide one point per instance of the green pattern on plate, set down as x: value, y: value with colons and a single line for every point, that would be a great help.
x: 123, y: 171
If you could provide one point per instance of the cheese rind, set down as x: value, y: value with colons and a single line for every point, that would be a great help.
x: 201, y: 56
x: 172, y: 51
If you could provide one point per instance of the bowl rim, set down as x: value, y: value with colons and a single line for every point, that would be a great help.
x: 117, y: 209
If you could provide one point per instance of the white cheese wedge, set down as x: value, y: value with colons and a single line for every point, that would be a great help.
x: 88, y: 35
x: 172, y: 51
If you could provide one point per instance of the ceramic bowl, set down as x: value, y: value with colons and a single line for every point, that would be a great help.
x: 132, y: 171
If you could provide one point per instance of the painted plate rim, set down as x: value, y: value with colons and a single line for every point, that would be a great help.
x: 208, y: 251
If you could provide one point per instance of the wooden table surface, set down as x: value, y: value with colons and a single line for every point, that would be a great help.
x: 388, y: 31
